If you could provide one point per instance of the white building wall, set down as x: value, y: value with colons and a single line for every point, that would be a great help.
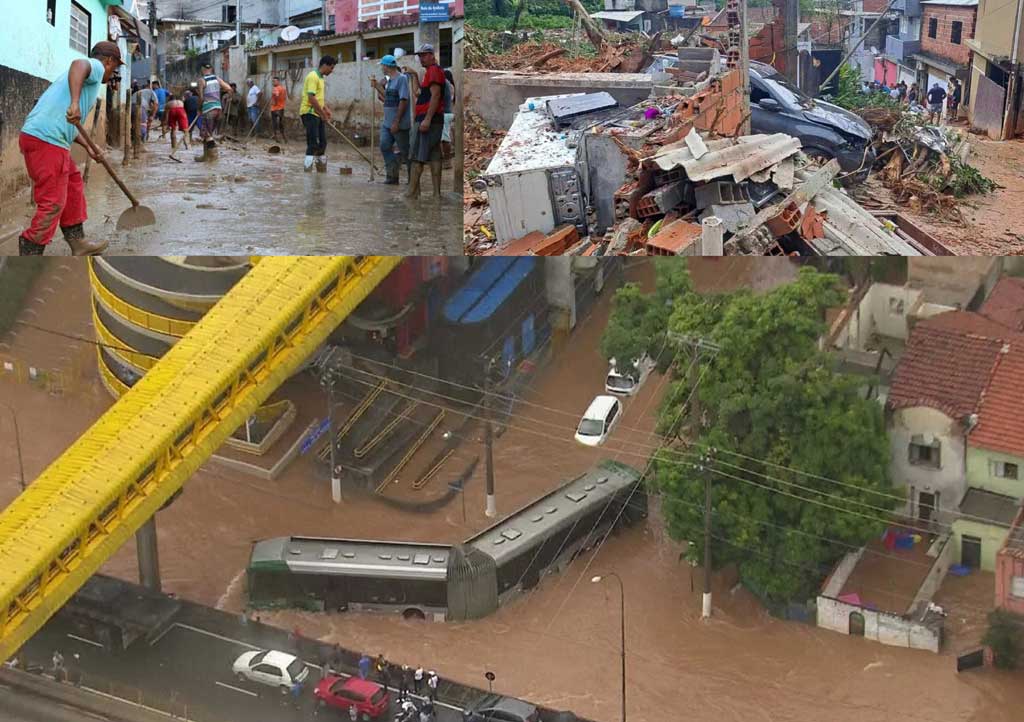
x: 950, y: 479
x: 881, y: 627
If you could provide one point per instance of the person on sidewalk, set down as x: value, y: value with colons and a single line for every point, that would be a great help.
x: 191, y: 111
x: 955, y: 97
x: 394, y: 129
x: 252, y: 104
x: 432, y: 681
x: 364, y: 666
x: 417, y: 678
x: 403, y: 683
x: 278, y: 97
x: 314, y: 113
x: 45, y: 143
x: 148, y: 105
x: 429, y: 123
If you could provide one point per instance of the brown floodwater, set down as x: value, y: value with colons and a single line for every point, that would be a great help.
x: 251, y: 202
x: 558, y: 644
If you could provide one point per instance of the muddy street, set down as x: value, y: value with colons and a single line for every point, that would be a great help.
x: 250, y: 202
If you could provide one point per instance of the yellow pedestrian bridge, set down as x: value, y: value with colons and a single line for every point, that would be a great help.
x: 116, y: 476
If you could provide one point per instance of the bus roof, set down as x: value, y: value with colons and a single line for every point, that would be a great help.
x: 350, y: 557
x: 518, y: 530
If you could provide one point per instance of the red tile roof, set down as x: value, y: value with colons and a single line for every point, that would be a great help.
x: 1006, y: 303
x: 1001, y: 415
x: 946, y: 364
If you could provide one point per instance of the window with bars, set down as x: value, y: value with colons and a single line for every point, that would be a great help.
x: 81, y: 29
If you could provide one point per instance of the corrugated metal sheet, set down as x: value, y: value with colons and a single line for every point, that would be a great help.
x: 736, y: 157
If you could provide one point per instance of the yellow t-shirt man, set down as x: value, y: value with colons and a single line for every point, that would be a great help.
x: 314, y: 84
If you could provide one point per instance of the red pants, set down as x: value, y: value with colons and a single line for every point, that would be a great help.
x: 57, y: 188
x: 176, y: 119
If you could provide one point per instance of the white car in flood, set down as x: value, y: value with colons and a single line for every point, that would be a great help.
x: 626, y: 381
x: 598, y: 420
x: 273, y: 669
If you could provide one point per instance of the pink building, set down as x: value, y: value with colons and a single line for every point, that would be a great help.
x: 354, y: 15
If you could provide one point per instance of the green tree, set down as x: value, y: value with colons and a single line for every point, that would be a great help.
x: 1004, y: 637
x: 772, y: 398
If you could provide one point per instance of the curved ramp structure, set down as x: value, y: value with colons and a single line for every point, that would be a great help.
x: 107, y: 484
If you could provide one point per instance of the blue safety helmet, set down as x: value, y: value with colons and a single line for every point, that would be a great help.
x: 389, y: 60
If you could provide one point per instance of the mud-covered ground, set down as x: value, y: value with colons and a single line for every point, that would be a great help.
x: 252, y: 202
x: 558, y: 644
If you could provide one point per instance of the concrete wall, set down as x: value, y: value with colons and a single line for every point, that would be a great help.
x: 32, y: 53
x: 950, y: 480
x: 879, y: 313
x: 944, y: 548
x: 979, y: 472
x: 992, y: 539
x: 940, y: 45
x: 495, y: 95
x: 881, y: 627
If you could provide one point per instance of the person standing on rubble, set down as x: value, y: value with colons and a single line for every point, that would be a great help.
x: 912, y: 95
x: 955, y: 95
x: 935, y: 97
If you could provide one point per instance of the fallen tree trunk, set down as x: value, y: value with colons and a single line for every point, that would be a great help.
x: 594, y: 32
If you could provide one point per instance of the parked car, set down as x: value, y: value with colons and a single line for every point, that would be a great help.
x: 370, y: 699
x: 495, y: 708
x: 598, y: 420
x: 626, y: 381
x: 274, y: 669
x: 826, y: 131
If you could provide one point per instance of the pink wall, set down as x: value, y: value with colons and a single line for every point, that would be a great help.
x: 1008, y: 567
x: 886, y: 72
x: 346, y: 14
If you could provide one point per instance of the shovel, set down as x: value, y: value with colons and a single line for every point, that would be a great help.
x: 349, y: 141
x: 135, y: 217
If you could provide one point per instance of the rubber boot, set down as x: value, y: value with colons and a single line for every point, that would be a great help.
x: 321, y: 164
x: 435, y: 177
x: 307, y: 165
x: 392, y: 173
x: 415, y: 173
x: 75, y: 237
x: 28, y: 248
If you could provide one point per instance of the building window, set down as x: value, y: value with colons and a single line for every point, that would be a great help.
x: 925, y: 453
x: 81, y: 29
x: 227, y: 14
x: 51, y: 12
x: 933, y: 27
x: 957, y: 32
x: 1004, y: 470
x: 896, y: 306
x: 296, y: 63
x: 1017, y: 587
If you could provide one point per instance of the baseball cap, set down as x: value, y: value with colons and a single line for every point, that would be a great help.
x: 107, y: 49
x: 389, y: 60
x: 425, y: 48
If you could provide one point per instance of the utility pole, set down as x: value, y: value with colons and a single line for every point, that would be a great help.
x: 238, y: 22
x: 492, y: 506
x: 458, y: 126
x: 699, y: 344
x: 791, y: 23
x: 327, y: 380
x: 17, y: 445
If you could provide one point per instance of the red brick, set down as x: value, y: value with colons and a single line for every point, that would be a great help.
x: 673, y: 238
x: 557, y: 242
x: 940, y: 45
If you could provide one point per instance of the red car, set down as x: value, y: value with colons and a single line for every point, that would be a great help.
x: 369, y: 698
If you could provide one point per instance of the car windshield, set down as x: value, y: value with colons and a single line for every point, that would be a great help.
x: 257, y: 659
x: 622, y: 383
x: 295, y: 668
x: 791, y: 95
x: 590, y: 427
x: 377, y: 696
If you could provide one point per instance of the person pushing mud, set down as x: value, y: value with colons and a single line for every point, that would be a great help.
x: 210, y: 87
x: 45, y: 143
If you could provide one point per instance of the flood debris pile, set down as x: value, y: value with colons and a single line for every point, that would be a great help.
x: 924, y: 166
x: 480, y: 145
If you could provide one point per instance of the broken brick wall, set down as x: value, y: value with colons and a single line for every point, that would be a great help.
x: 719, y: 109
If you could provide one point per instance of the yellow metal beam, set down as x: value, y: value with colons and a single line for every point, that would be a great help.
x: 138, y: 316
x: 91, y: 500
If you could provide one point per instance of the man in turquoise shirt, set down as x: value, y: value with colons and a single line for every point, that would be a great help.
x: 45, y: 143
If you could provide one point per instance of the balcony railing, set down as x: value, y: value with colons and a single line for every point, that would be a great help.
x: 380, y: 9
x: 899, y: 48
x: 910, y: 8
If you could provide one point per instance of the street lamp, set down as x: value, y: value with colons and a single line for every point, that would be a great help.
x: 622, y: 620
x: 17, y: 445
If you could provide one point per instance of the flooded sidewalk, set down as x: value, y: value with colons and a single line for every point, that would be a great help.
x: 252, y: 202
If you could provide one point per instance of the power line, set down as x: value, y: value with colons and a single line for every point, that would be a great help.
x: 82, y: 339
